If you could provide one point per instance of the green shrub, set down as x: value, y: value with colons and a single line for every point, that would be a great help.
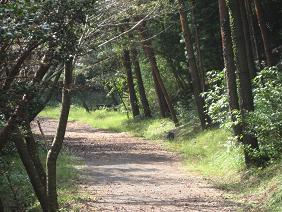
x: 266, y: 120
x: 216, y: 99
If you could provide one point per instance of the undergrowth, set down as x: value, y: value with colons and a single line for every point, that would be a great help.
x: 212, y: 153
x: 16, y: 190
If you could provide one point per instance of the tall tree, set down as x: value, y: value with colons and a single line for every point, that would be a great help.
x: 264, y: 32
x: 228, y: 57
x: 57, y: 143
x: 196, y: 81
x: 141, y: 89
x: 250, y: 142
x: 156, y: 73
x: 34, y: 177
x: 247, y: 36
x: 130, y: 83
x: 199, y: 58
x: 254, y: 42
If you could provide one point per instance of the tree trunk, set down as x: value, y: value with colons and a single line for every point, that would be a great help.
x: 196, y: 81
x: 1, y: 206
x: 228, y: 57
x: 197, y: 42
x: 248, y: 6
x: 121, y: 99
x: 264, y: 33
x: 59, y: 137
x: 248, y: 42
x: 164, y: 111
x: 154, y: 67
x: 34, y: 178
x: 141, y: 89
x: 247, y: 105
x: 33, y: 152
x: 130, y: 83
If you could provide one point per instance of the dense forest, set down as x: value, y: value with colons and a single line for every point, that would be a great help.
x: 206, y: 64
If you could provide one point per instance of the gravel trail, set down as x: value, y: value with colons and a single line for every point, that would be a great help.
x: 124, y: 173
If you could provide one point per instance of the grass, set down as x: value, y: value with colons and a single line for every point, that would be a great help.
x: 212, y: 153
x: 115, y: 121
x: 19, y: 193
x: 104, y: 119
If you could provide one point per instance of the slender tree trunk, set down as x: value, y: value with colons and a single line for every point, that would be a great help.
x: 229, y: 65
x: 198, y: 48
x: 164, y: 111
x: 248, y: 42
x: 121, y: 99
x: 130, y: 83
x: 247, y: 105
x: 264, y: 32
x: 152, y: 59
x: 59, y: 137
x: 196, y: 81
x: 32, y: 149
x: 248, y: 6
x: 141, y: 89
x: 34, y: 177
x: 1, y: 206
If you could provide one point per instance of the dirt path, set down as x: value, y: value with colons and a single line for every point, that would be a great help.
x: 131, y: 174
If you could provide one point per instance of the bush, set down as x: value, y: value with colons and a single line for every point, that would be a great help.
x: 216, y: 98
x: 266, y: 120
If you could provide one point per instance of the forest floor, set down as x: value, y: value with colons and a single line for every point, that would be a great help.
x: 124, y: 173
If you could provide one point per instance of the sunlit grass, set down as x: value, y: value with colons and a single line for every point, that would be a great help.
x: 105, y: 119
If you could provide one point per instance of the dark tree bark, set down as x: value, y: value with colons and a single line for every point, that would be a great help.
x: 53, y: 153
x: 264, y: 32
x: 35, y: 180
x: 141, y: 89
x: 248, y: 42
x: 228, y: 57
x: 197, y: 42
x: 130, y: 83
x: 164, y: 111
x: 196, y: 81
x: 1, y: 206
x: 245, y: 88
x: 254, y: 42
x: 33, y: 152
x: 147, y: 46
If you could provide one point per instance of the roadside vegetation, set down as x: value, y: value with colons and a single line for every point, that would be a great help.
x: 212, y: 153
x: 16, y: 190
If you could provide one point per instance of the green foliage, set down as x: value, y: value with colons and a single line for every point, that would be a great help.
x: 16, y: 190
x: 266, y: 120
x: 216, y: 98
